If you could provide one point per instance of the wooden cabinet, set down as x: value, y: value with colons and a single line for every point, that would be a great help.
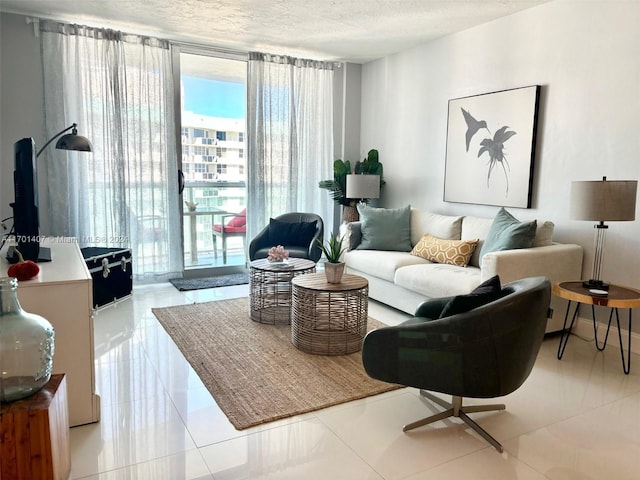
x: 62, y: 293
x: 35, y: 435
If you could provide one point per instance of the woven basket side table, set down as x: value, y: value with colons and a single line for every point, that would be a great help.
x: 270, y: 289
x: 329, y: 318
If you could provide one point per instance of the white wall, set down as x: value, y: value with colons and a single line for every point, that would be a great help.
x: 21, y: 100
x: 346, y: 123
x: 586, y: 57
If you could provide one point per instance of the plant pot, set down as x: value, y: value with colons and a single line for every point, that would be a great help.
x: 334, y: 271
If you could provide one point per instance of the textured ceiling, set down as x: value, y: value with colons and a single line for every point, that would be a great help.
x: 349, y: 30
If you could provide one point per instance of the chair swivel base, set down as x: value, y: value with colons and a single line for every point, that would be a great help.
x: 455, y: 409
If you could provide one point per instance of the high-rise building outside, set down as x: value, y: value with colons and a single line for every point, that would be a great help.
x: 214, y: 161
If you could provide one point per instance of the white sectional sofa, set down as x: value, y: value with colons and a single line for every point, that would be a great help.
x: 402, y: 280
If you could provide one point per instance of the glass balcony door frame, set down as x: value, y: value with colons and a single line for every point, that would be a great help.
x: 192, y: 221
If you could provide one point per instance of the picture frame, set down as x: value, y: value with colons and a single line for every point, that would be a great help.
x: 491, y: 141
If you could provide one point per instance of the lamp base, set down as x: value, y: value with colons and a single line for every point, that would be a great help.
x: 350, y: 214
x: 597, y: 284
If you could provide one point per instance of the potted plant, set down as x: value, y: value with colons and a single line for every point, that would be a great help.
x: 338, y: 185
x: 333, y: 250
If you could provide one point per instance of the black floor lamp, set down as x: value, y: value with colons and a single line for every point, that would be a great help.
x: 26, y: 223
x: 70, y: 141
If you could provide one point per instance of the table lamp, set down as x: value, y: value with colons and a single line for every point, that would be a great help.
x: 603, y: 200
x: 362, y: 187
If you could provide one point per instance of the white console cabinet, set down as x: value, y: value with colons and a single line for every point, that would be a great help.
x: 62, y: 293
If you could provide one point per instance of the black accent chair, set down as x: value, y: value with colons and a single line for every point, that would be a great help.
x: 486, y: 352
x: 263, y: 241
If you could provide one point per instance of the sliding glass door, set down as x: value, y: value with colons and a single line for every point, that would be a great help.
x: 213, y: 163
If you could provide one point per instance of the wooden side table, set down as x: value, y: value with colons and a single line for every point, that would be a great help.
x: 34, y: 434
x: 617, y: 297
x: 329, y: 318
x: 270, y: 289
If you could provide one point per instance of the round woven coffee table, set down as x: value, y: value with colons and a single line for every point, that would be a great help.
x: 270, y: 289
x: 329, y: 318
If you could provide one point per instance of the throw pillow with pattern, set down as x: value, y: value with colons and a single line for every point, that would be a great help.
x: 438, y: 250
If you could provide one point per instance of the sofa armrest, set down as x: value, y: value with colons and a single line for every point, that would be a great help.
x: 558, y: 262
x: 351, y: 235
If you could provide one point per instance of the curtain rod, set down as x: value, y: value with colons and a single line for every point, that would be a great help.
x: 189, y: 47
x: 200, y: 46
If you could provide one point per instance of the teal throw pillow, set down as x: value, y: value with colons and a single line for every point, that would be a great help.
x: 385, y: 228
x: 508, y: 233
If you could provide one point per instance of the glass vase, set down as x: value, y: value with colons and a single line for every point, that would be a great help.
x: 26, y: 346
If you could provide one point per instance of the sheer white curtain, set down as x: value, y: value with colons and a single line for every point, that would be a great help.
x: 290, y: 134
x: 118, y: 88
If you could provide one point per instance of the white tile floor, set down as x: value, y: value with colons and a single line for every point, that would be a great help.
x: 578, y: 418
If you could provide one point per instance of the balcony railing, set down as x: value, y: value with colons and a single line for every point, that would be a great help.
x: 213, y: 199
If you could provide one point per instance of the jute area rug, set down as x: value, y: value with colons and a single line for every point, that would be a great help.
x: 253, y: 370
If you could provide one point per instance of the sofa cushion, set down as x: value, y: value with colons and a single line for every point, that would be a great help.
x: 508, y: 233
x: 351, y: 234
x: 297, y: 234
x: 442, y: 226
x: 476, y: 227
x: 381, y: 264
x: 452, y: 252
x: 544, y: 234
x: 436, y: 280
x: 385, y: 228
x: 486, y: 292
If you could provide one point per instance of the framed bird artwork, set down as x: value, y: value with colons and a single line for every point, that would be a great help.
x: 491, y: 141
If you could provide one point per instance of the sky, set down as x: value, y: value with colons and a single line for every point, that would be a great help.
x: 214, y: 98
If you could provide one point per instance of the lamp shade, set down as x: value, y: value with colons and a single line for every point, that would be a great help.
x: 72, y: 141
x: 363, y: 186
x: 604, y: 200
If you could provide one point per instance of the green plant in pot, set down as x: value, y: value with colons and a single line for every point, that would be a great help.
x: 370, y: 166
x: 338, y: 185
x: 333, y: 250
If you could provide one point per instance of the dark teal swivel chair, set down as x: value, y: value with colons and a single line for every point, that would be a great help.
x: 486, y: 352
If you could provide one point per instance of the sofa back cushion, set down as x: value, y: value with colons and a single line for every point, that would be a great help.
x: 385, y: 228
x: 476, y: 227
x: 447, y: 227
x: 544, y: 234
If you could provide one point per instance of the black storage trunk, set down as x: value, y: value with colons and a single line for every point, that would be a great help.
x: 111, y: 272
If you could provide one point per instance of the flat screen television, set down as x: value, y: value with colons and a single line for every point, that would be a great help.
x: 26, y: 222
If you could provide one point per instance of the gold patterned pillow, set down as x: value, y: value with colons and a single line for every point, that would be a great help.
x: 453, y: 252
